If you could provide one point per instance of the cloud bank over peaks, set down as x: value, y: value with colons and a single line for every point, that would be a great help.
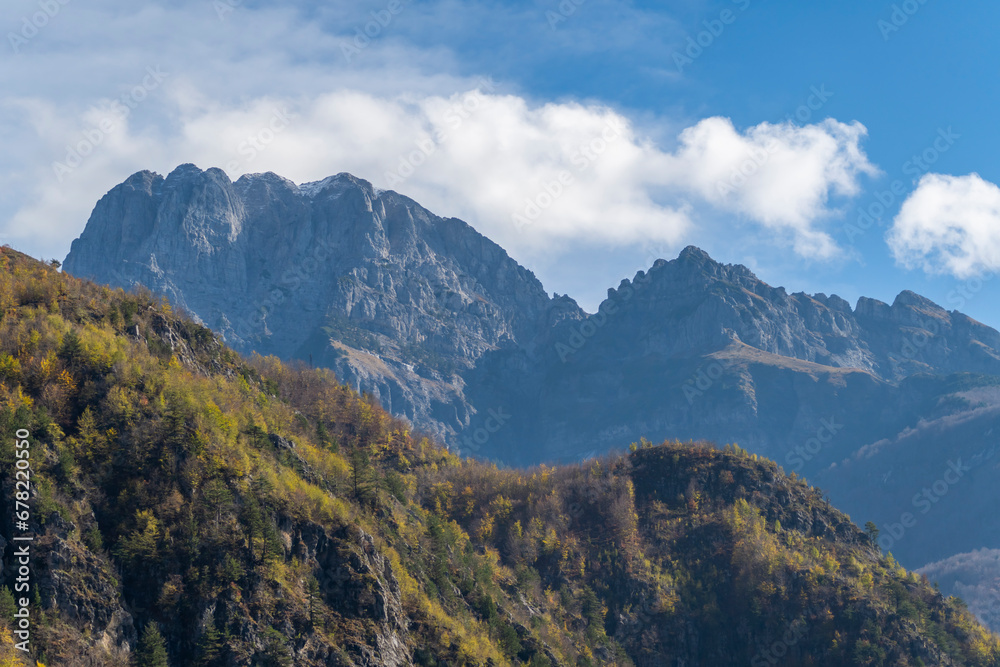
x: 536, y: 177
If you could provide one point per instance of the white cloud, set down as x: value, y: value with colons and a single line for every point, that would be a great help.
x: 781, y: 176
x: 949, y: 224
x: 532, y: 177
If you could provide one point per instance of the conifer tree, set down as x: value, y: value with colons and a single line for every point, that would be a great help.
x: 363, y: 476
x: 210, y: 645
x: 312, y: 588
x: 7, y: 605
x: 152, y: 648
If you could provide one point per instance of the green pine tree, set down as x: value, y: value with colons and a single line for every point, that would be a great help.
x: 315, y: 600
x: 276, y: 653
x: 325, y: 439
x: 152, y: 648
x: 363, y: 476
x: 7, y: 605
x: 210, y: 646
x: 872, y: 530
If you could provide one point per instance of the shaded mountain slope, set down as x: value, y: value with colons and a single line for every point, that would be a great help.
x: 931, y: 485
x: 975, y: 577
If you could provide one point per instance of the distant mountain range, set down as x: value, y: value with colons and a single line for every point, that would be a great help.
x: 878, y: 404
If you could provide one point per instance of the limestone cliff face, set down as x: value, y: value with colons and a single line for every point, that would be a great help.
x: 398, y: 301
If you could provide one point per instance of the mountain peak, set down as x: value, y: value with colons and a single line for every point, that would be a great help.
x: 694, y: 254
x: 914, y: 300
x: 267, y: 177
x: 693, y: 263
x: 314, y: 188
x: 186, y: 169
x: 448, y: 312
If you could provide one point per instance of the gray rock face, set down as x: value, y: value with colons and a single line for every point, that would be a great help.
x: 705, y: 301
x: 398, y: 301
x: 83, y: 589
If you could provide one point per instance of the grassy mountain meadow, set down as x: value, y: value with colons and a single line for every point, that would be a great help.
x: 195, y: 507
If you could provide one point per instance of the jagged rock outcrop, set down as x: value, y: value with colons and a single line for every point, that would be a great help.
x: 83, y: 590
x: 695, y: 305
x: 358, y: 582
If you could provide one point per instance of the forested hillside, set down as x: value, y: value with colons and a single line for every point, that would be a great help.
x: 194, y: 507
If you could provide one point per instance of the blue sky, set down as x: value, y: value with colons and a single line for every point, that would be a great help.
x: 503, y: 96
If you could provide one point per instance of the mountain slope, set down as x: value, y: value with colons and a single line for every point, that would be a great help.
x: 975, y: 577
x: 262, y: 514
